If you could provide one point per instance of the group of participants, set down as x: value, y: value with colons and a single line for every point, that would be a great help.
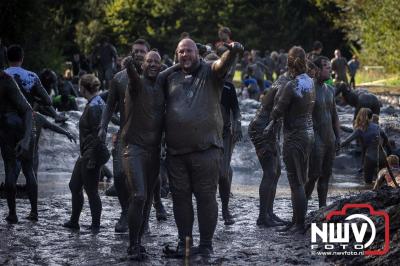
x: 191, y: 106
x: 181, y: 104
x: 258, y: 72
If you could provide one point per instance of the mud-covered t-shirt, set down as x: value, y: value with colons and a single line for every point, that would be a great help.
x: 295, y: 103
x: 193, y: 112
x: 144, y: 109
x: 29, y: 84
x: 11, y: 98
x: 26, y: 79
x: 89, y: 123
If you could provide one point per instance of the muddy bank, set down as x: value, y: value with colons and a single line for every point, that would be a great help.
x: 386, y: 199
x: 243, y: 243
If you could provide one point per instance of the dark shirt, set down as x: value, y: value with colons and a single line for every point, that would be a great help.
x: 339, y: 66
x: 229, y: 105
x: 89, y: 125
x: 193, y: 112
x: 67, y: 88
x: 145, y: 107
x: 106, y: 55
x: 116, y: 95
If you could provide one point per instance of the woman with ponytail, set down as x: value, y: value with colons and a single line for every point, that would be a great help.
x: 93, y: 154
x: 294, y: 103
x: 372, y: 139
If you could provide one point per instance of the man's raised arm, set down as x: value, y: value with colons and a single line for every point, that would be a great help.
x: 222, y: 65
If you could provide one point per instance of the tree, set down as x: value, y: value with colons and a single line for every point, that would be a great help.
x: 374, y: 25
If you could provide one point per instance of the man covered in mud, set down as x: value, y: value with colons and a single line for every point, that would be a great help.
x: 194, y: 140
x: 141, y: 136
x: 30, y: 84
x: 268, y: 153
x: 105, y: 58
x: 16, y: 144
x: 326, y: 133
x: 295, y: 103
x: 231, y: 133
x: 340, y: 67
x: 115, y: 101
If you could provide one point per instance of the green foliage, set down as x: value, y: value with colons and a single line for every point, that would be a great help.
x: 51, y: 30
x: 258, y: 24
x: 374, y: 25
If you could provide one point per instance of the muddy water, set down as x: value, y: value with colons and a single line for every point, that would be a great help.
x: 46, y: 242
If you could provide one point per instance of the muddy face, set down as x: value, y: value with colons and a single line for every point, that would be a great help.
x: 326, y: 71
x: 152, y: 64
x: 138, y: 52
x: 188, y: 55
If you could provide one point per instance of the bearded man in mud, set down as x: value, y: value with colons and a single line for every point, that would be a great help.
x: 326, y: 132
x: 295, y: 103
x: 115, y: 101
x: 194, y: 141
x: 268, y: 153
x: 16, y: 143
x: 141, y: 136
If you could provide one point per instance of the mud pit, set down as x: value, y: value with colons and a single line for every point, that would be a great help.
x: 46, y: 242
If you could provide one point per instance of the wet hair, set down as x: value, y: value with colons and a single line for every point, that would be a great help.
x: 317, y: 45
x: 90, y: 82
x: 297, y: 61
x: 15, y: 53
x: 225, y: 30
x: 319, y: 59
x: 375, y: 119
x: 362, y: 119
x: 393, y: 160
x: 142, y: 42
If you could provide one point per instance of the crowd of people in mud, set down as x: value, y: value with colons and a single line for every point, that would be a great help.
x: 182, y: 116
